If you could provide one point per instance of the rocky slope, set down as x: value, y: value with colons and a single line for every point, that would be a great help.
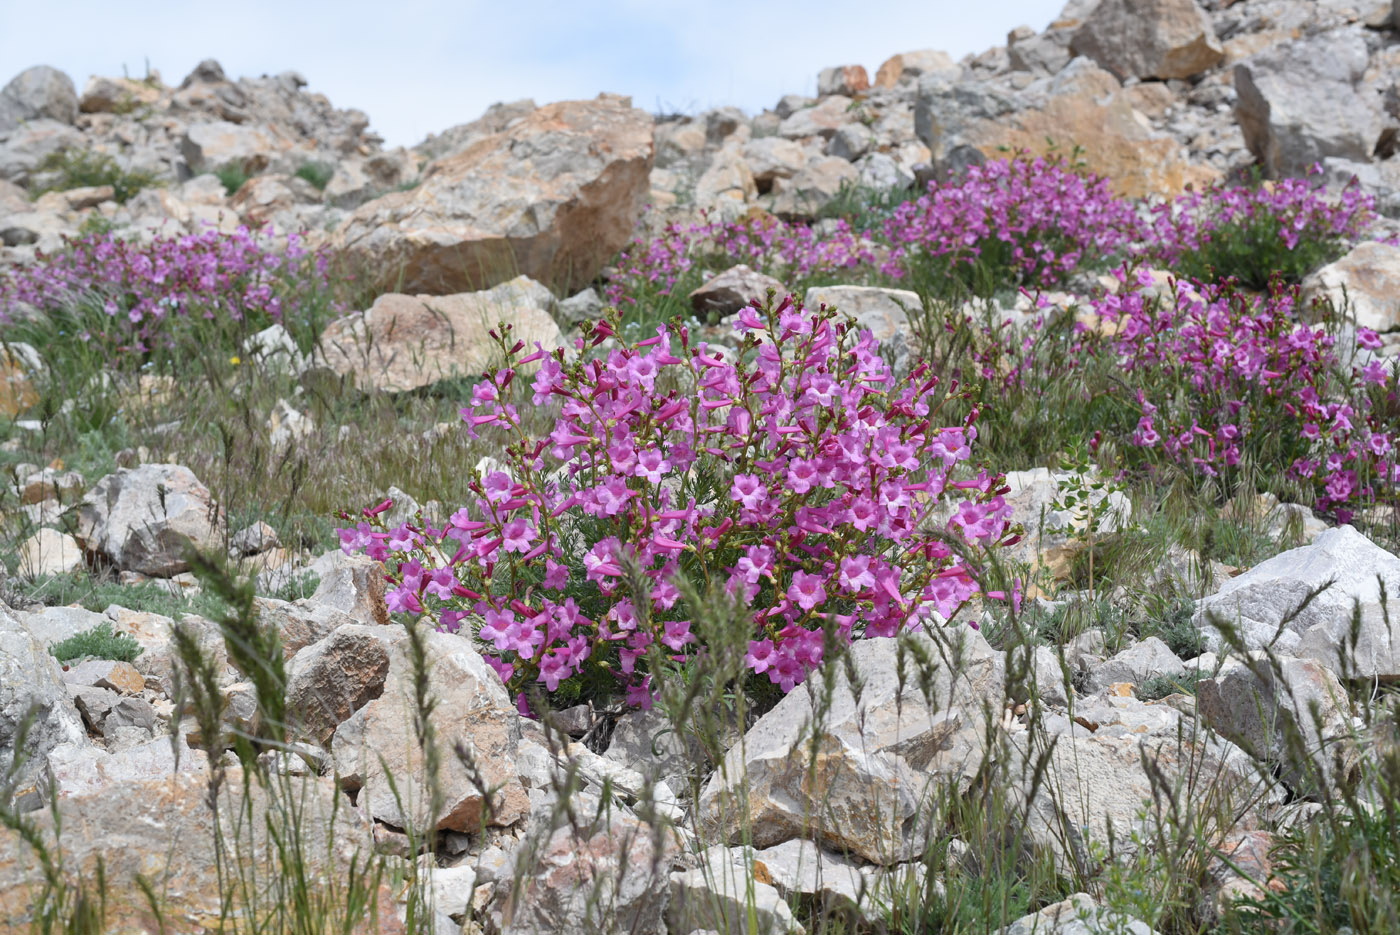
x: 1157, y: 95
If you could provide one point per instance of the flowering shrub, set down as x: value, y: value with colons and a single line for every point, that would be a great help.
x: 1254, y: 232
x: 1010, y: 222
x: 803, y: 478
x: 125, y: 295
x: 1223, y: 377
x: 766, y: 243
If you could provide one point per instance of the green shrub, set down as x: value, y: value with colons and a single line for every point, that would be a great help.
x: 317, y: 173
x: 232, y: 176
x: 101, y: 642
x: 72, y: 168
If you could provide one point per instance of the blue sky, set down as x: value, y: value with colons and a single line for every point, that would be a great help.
x: 418, y: 66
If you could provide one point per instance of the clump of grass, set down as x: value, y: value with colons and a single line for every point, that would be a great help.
x: 1160, y: 686
x: 317, y: 173
x: 101, y: 642
x: 85, y: 168
x: 232, y: 176
x: 97, y: 593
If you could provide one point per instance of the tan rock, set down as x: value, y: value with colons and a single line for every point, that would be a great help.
x: 807, y: 192
x: 107, y: 673
x: 332, y: 679
x: 733, y: 289
x: 907, y: 65
x: 49, y: 552
x: 146, y: 519
x: 403, y: 342
x: 163, y: 830
x: 553, y: 197
x: 116, y: 96
x: 1092, y: 112
x: 473, y: 712
x: 1365, y: 283
x: 1149, y: 38
x: 19, y: 363
x: 843, y: 79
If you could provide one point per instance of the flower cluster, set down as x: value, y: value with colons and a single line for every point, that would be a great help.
x: 765, y: 243
x: 1036, y: 218
x: 1254, y: 232
x: 801, y: 477
x: 135, y: 288
x: 1224, y: 376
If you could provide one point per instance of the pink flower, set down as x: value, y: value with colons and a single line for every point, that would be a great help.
x: 806, y: 590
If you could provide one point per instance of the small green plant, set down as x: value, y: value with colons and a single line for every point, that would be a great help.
x: 73, y: 168
x: 232, y: 176
x: 1160, y: 686
x: 1088, y: 497
x: 318, y: 174
x: 101, y: 642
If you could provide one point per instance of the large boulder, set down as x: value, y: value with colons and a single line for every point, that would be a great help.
x: 25, y: 147
x: 147, y: 519
x: 855, y: 773
x: 1290, y: 713
x: 553, y: 196
x: 1365, y: 283
x: 609, y: 876
x: 1114, y: 770
x: 220, y: 144
x: 333, y: 678
x: 403, y: 342
x: 34, y: 701
x: 1084, y: 105
x: 1149, y: 38
x: 1298, y: 103
x: 1317, y: 586
x: 38, y: 93
x: 377, y: 748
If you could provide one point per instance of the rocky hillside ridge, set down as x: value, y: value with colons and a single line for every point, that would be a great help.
x: 1157, y: 95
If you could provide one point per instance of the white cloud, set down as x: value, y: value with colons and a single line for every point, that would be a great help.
x: 418, y: 66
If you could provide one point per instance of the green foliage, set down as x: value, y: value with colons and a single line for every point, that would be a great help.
x: 232, y: 176
x: 97, y: 594
x: 1160, y: 686
x: 101, y: 642
x: 318, y: 174
x: 73, y: 168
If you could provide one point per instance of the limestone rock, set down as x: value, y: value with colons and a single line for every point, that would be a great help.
x: 23, y: 148
x: 552, y: 197
x: 121, y: 677
x: 1136, y: 664
x: 116, y: 95
x: 1078, y: 915
x: 1298, y: 103
x: 821, y: 119
x: 332, y: 679
x: 218, y: 144
x: 49, y: 552
x: 33, y: 700
x: 873, y: 760
x: 907, y: 66
x: 1280, y: 711
x: 1364, y: 284
x: 38, y: 93
x: 724, y: 894
x: 609, y: 876
x: 146, y: 519
x: 473, y: 710
x: 810, y: 190
x: 404, y: 342
x: 1262, y: 605
x: 732, y: 290
x: 843, y: 79
x: 1149, y: 38
x: 163, y: 829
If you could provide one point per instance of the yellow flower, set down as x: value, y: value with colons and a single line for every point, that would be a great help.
x: 234, y: 360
